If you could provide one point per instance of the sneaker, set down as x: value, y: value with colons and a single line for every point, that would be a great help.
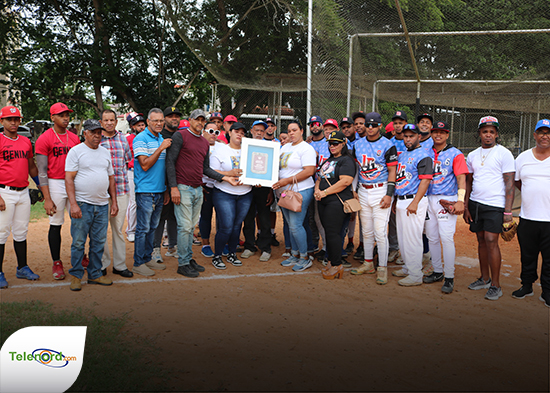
x: 155, y: 265
x: 324, y: 262
x: 218, y: 263
x: 156, y: 256
x: 187, y: 271
x: 102, y: 280
x: 409, y: 282
x: 290, y: 261
x: 434, y: 277
x: 545, y: 298
x: 144, y: 270
x: 427, y: 267
x: 225, y: 251
x: 359, y: 254
x: 399, y: 273
x: 382, y: 275
x: 26, y: 272
x: 274, y: 241
x: 345, y: 263
x: 196, y: 242
x: 399, y: 260
x: 349, y: 248
x: 493, y: 293
x: 196, y: 266
x: 393, y: 255
x: 232, y: 259
x: 320, y: 255
x: 302, y: 265
x: 286, y: 254
x: 3, y: 282
x: 448, y: 285
x: 57, y: 270
x: 172, y: 252
x: 76, y: 284
x: 366, y: 267
x: 480, y: 284
x: 247, y: 254
x: 207, y: 251
x: 525, y: 290
x: 131, y: 237
x: 265, y: 256
x: 85, y: 261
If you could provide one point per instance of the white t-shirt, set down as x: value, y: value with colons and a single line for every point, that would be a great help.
x: 488, y: 186
x: 224, y: 159
x: 93, y: 168
x: 294, y: 159
x: 535, y: 186
x: 209, y: 182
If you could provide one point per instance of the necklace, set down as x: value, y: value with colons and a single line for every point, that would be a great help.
x: 484, y: 157
x: 66, y: 134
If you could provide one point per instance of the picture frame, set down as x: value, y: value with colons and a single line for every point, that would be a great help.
x: 259, y: 162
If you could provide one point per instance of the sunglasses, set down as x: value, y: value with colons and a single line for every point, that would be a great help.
x: 213, y: 131
x: 542, y: 133
x: 316, y: 124
x: 373, y: 125
x: 335, y: 143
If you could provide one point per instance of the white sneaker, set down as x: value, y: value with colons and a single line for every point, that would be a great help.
x: 131, y: 237
x: 409, y: 282
x: 247, y: 254
x: 399, y: 273
x: 393, y: 255
x: 156, y: 256
x: 172, y: 252
x: 265, y: 256
x: 399, y: 260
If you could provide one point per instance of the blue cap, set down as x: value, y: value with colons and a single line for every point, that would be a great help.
x: 216, y: 115
x: 542, y: 123
x: 315, y: 119
x: 263, y: 123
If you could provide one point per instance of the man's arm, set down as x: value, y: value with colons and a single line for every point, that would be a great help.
x: 112, y: 194
x: 509, y: 195
x: 69, y: 187
x: 42, y: 164
x: 422, y: 188
x: 518, y: 184
x: 146, y: 162
x: 469, y: 180
x: 229, y: 176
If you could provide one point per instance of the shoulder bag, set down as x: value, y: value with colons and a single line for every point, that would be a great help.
x: 291, y: 200
x: 351, y: 205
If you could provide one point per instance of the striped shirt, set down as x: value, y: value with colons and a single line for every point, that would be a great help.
x: 121, y: 155
x: 152, y: 180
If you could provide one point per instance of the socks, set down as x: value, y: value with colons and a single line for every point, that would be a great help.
x: 54, y: 240
x: 21, y: 253
x: 2, y: 248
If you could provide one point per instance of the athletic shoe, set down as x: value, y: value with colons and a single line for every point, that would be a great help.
x: 196, y: 266
x: 144, y: 270
x: 434, y: 277
x: 156, y: 256
x: 399, y: 273
x: 265, y: 256
x: 493, y: 293
x: 525, y: 290
x: 274, y: 241
x: 399, y: 260
x: 76, y: 284
x: 187, y: 271
x: 232, y: 259
x: 172, y: 252
x: 349, y: 248
x: 545, y: 297
x: 85, y: 261
x: 247, y: 254
x: 320, y: 255
x: 359, y: 253
x: 131, y: 237
x: 57, y: 270
x: 409, y: 282
x: 324, y: 262
x: 345, y: 263
x: 393, y: 255
x: 448, y: 285
x: 218, y: 262
x: 3, y: 282
x: 155, y: 265
x: 302, y: 265
x: 382, y: 276
x: 102, y: 280
x: 207, y: 251
x: 480, y: 283
x: 196, y: 242
x: 366, y: 267
x: 26, y: 272
x: 225, y: 251
x: 286, y: 254
x: 290, y: 261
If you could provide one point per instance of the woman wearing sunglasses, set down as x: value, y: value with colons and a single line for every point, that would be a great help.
x: 231, y: 202
x: 335, y: 177
x: 297, y: 165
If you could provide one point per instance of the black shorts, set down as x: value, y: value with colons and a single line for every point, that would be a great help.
x: 485, y: 218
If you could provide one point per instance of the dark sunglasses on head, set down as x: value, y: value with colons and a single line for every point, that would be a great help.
x: 213, y: 131
x: 373, y: 125
x: 334, y: 143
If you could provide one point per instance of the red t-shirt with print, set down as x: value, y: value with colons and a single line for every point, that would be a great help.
x: 55, y: 147
x: 14, y: 161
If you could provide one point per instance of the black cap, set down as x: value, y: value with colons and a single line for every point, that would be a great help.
x: 400, y: 115
x: 171, y: 110
x: 355, y: 115
x: 91, y: 125
x: 425, y: 115
x: 237, y: 125
x: 337, y: 136
x: 373, y: 117
x: 411, y: 127
x: 441, y: 125
x: 136, y: 119
x: 270, y: 120
x: 346, y: 120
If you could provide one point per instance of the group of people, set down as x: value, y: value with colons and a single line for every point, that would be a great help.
x: 170, y: 174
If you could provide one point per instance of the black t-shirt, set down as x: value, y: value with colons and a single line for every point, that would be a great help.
x: 333, y: 168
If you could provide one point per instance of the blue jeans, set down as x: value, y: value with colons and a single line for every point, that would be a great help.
x: 187, y: 216
x: 149, y: 208
x: 286, y: 232
x: 205, y: 222
x: 298, y: 235
x: 230, y: 211
x: 94, y: 222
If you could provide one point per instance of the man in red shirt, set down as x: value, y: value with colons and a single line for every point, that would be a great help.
x: 137, y: 124
x: 16, y: 163
x: 51, y: 151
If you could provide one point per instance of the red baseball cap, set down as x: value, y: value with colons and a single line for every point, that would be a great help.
x: 58, y: 108
x: 390, y: 127
x: 230, y: 118
x: 183, y: 124
x: 10, y: 111
x: 331, y: 122
x: 216, y: 115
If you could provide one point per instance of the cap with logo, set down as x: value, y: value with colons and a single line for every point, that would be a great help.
x: 441, y: 125
x: 230, y: 118
x: 411, y: 127
x: 259, y: 122
x: 542, y: 123
x: 331, y: 122
x: 337, y: 136
x: 196, y: 114
x: 373, y: 117
x: 400, y: 115
x: 346, y: 120
x: 133, y: 118
x: 216, y: 115
x: 425, y: 116
x: 92, y: 125
x: 10, y: 111
x: 271, y: 120
x: 183, y: 124
x: 58, y: 108
x: 488, y: 121
x: 171, y: 110
x: 315, y: 119
x: 237, y: 126
x: 355, y: 115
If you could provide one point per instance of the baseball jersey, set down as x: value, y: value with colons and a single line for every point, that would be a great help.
x: 399, y: 145
x: 428, y: 144
x: 351, y: 144
x: 321, y: 148
x: 374, y: 158
x: 272, y: 140
x: 56, y: 147
x: 14, y: 162
x: 413, y: 166
x: 448, y: 164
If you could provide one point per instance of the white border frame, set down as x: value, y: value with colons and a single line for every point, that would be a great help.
x: 276, y: 146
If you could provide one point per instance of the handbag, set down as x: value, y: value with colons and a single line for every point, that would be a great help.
x: 351, y: 205
x: 291, y: 200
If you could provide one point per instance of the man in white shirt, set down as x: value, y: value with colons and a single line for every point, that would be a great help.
x: 489, y: 197
x: 533, y: 180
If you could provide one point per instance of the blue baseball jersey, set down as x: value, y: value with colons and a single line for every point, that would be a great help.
x: 448, y: 164
x: 351, y: 144
x: 399, y: 145
x: 428, y: 144
x: 321, y: 147
x: 374, y: 158
x: 413, y: 166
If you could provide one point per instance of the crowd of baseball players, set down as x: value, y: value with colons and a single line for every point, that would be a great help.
x: 168, y: 175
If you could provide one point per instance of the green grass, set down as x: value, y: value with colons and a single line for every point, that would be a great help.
x: 37, y: 211
x: 112, y: 361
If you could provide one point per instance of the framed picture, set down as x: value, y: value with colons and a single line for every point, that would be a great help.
x: 259, y: 162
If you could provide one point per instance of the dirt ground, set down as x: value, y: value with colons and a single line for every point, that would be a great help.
x: 261, y: 327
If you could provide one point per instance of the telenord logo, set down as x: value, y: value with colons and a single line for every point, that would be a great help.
x: 44, y: 356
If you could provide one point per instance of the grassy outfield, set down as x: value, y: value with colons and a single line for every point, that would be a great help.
x: 112, y: 361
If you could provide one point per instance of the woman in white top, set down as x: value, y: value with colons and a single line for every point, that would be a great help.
x: 297, y: 164
x: 231, y: 202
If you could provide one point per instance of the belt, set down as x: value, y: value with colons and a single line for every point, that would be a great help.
x: 369, y: 186
x: 12, y: 188
x: 410, y: 196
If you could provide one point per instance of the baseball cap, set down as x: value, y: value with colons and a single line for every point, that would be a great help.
x: 355, y: 115
x: 542, y: 123
x: 10, y: 111
x: 136, y: 120
x: 230, y: 118
x: 183, y: 124
x: 216, y: 115
x: 237, y: 125
x: 270, y: 120
x: 131, y: 115
x: 488, y: 121
x: 260, y: 123
x: 315, y: 119
x: 441, y: 125
x: 58, y: 108
x: 346, y: 120
x: 411, y: 127
x: 337, y: 136
x: 425, y: 115
x: 172, y: 110
x: 400, y: 115
x: 389, y: 127
x: 331, y: 122
x: 197, y: 113
x: 373, y: 117
x: 91, y: 125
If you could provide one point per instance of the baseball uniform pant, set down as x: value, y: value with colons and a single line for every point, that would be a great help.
x: 59, y: 197
x: 15, y: 218
x: 131, y: 210
x: 374, y: 221
x: 440, y: 230
x: 119, y: 244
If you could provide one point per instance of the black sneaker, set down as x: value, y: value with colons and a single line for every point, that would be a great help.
x: 187, y: 271
x: 320, y: 255
x: 345, y: 263
x: 525, y: 290
x: 448, y: 285
x: 196, y: 266
x: 349, y: 248
x: 218, y: 263
x: 359, y: 254
x: 274, y: 241
x: 434, y: 277
x: 545, y: 297
x: 232, y: 259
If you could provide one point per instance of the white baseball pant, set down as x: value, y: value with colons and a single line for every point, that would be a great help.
x: 131, y: 210
x: 441, y: 227
x: 15, y: 218
x: 374, y: 221
x: 59, y: 197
